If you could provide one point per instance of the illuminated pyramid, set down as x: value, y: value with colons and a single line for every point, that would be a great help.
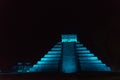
x: 69, y: 56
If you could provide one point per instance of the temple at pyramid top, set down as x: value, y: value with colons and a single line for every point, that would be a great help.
x: 69, y: 56
x: 69, y: 38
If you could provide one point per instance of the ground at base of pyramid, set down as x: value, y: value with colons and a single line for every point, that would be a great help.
x: 62, y: 76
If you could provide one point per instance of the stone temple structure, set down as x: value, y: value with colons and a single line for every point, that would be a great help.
x: 69, y: 56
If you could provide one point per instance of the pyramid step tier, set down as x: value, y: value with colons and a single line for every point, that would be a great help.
x: 52, y: 55
x: 81, y: 48
x: 48, y: 62
x: 79, y: 45
x: 47, y: 59
x: 88, y: 58
x: 59, y: 43
x: 95, y: 69
x: 58, y: 49
x: 54, y: 52
x: 41, y: 67
x: 98, y: 61
x: 92, y: 65
x: 82, y: 55
x: 57, y: 46
x: 44, y: 66
x: 85, y: 51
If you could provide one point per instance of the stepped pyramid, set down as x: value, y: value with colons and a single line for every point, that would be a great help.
x: 69, y: 56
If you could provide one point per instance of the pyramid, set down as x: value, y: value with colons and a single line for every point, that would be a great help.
x: 69, y: 56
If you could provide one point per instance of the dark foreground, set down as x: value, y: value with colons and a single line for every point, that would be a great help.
x: 62, y: 76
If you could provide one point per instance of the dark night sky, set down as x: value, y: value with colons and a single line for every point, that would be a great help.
x: 30, y: 29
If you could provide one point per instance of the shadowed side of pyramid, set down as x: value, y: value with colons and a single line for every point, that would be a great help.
x: 69, y: 56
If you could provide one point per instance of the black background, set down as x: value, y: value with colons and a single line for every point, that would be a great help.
x: 30, y: 28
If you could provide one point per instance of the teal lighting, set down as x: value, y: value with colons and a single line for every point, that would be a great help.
x: 69, y: 38
x: 86, y: 55
x: 79, y: 45
x: 44, y: 62
x: 58, y: 46
x: 69, y: 64
x: 93, y: 65
x: 54, y: 52
x: 98, y: 61
x: 88, y: 58
x: 69, y: 56
x: 52, y: 55
x: 81, y: 48
x: 46, y: 59
x: 85, y: 51
x: 56, y: 49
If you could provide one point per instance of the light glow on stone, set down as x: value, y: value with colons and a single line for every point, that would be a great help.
x: 48, y: 55
x: 88, y: 58
x: 46, y: 59
x: 69, y: 38
x: 85, y: 55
